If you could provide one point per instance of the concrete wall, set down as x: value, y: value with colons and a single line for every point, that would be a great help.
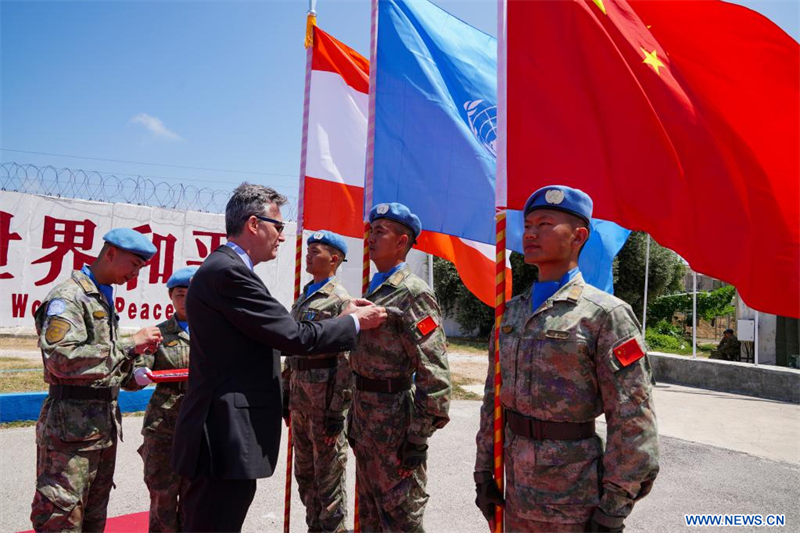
x: 776, y: 383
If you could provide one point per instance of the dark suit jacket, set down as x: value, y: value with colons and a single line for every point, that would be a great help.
x: 229, y: 425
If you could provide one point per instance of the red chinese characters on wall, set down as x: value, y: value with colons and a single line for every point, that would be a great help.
x: 6, y: 236
x: 215, y: 241
x: 162, y: 264
x: 65, y: 236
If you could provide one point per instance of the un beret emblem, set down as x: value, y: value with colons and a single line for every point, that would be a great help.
x: 554, y: 196
x: 383, y: 209
x: 318, y: 235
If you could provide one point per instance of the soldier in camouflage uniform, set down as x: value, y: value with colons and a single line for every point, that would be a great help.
x: 568, y: 353
x: 317, y: 392
x: 162, y: 410
x: 85, y: 363
x: 729, y: 347
x: 402, y: 382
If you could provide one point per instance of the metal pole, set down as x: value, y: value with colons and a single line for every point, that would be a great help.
x: 646, y: 280
x: 430, y: 271
x: 755, y: 352
x: 694, y: 315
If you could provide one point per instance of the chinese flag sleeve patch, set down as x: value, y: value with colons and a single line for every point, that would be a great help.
x: 628, y: 352
x: 426, y: 325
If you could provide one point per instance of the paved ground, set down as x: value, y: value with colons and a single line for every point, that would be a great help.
x: 696, y: 477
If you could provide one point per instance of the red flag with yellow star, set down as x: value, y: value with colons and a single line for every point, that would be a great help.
x: 681, y: 119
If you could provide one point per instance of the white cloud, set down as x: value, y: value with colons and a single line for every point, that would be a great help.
x: 155, y: 126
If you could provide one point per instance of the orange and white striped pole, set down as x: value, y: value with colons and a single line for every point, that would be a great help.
x: 311, y: 22
x: 364, y: 289
x: 499, y: 309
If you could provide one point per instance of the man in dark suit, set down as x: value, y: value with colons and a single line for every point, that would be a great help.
x: 229, y: 429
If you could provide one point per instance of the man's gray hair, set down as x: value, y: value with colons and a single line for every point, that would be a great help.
x: 249, y: 200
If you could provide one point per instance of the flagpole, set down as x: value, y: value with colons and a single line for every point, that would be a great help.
x: 499, y: 309
x: 646, y: 280
x: 311, y: 22
x: 368, y: 175
x: 500, y: 202
x: 694, y: 314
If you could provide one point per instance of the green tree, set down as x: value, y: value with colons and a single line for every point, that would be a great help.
x: 462, y: 306
x: 665, y: 274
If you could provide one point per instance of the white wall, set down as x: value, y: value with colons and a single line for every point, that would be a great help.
x: 184, y: 239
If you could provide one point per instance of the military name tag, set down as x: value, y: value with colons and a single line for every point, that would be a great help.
x: 57, y: 330
x: 507, y: 329
x: 99, y: 315
x: 556, y: 334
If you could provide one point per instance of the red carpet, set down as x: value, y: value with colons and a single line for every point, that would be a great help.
x: 129, y: 523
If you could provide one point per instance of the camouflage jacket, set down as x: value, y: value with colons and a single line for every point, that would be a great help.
x: 411, y: 341
x: 165, y: 403
x: 563, y: 363
x: 80, y: 343
x: 322, y: 390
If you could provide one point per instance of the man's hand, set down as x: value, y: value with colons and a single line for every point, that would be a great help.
x: 371, y: 316
x: 143, y: 376
x: 334, y: 425
x: 146, y: 340
x: 411, y: 456
x: 487, y: 496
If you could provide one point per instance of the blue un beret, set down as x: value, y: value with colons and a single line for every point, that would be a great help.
x: 561, y: 198
x: 181, y: 277
x: 398, y: 213
x: 330, y: 238
x: 131, y: 241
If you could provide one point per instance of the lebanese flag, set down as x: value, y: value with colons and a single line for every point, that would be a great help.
x: 681, y: 119
x: 332, y: 195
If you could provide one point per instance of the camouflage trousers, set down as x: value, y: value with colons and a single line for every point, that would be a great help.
x: 320, y: 473
x: 552, y: 482
x: 72, y: 489
x: 164, y: 485
x: 516, y: 524
x: 387, y: 502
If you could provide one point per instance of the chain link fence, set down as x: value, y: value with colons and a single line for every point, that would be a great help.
x: 99, y: 187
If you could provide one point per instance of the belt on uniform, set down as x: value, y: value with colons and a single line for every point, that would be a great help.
x: 77, y: 392
x: 533, y: 428
x: 308, y: 363
x: 387, y: 386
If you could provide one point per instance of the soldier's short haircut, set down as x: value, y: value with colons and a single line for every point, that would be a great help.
x: 248, y: 200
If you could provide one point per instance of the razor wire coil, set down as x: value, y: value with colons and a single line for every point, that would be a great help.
x: 99, y: 187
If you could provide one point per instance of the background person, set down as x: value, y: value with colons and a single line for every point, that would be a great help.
x: 162, y: 409
x: 85, y: 363
x: 568, y: 353
x: 229, y: 427
x: 729, y: 347
x: 317, y: 392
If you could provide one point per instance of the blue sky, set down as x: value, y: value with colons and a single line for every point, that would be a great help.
x: 214, y: 85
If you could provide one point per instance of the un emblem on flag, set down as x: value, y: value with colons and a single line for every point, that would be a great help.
x: 482, y: 119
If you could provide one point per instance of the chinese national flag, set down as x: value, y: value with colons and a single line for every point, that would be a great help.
x: 679, y: 118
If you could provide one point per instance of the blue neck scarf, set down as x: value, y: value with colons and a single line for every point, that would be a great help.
x: 380, y: 277
x: 314, y: 287
x: 542, y: 290
x: 106, y: 290
x: 183, y: 324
